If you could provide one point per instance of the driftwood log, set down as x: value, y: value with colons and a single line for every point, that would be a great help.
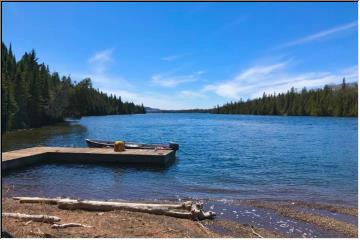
x: 185, y: 205
x: 66, y: 225
x: 35, y: 218
x: 187, y: 209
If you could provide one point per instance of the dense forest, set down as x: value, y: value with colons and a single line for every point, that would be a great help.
x: 31, y: 96
x: 337, y: 100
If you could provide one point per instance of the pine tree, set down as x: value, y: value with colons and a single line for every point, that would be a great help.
x: 32, y: 96
x: 336, y: 101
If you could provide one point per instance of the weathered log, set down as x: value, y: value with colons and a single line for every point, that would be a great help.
x: 38, y: 200
x: 66, y: 225
x: 110, y: 206
x: 185, y: 205
x: 206, y: 215
x: 35, y: 218
x: 199, y: 214
x: 195, y: 213
x: 187, y: 209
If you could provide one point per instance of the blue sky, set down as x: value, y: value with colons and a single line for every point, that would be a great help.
x: 189, y: 55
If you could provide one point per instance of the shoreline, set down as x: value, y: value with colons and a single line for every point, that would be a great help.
x: 242, y: 219
x: 67, y: 120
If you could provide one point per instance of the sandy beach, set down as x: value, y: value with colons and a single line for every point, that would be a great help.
x: 120, y: 223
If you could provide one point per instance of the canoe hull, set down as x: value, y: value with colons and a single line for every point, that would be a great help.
x: 109, y: 144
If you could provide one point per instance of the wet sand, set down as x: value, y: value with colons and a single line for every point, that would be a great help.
x: 306, y: 212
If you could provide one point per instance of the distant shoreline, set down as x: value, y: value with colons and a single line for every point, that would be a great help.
x: 243, y: 114
x: 331, y: 100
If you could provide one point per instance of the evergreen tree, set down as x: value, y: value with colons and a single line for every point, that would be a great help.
x: 340, y: 100
x: 32, y: 96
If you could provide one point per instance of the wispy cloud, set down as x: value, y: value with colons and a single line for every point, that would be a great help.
x: 160, y: 100
x: 320, y: 35
x: 253, y: 82
x: 99, y: 73
x: 260, y: 70
x: 103, y: 79
x: 174, y: 57
x: 170, y: 80
x: 102, y: 56
x: 244, y: 80
x: 192, y: 94
x: 232, y: 25
x: 101, y: 60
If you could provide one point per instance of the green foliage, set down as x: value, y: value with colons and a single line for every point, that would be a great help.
x: 339, y: 100
x: 32, y: 96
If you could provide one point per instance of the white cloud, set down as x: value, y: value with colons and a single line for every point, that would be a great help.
x: 103, y: 79
x: 243, y: 81
x: 102, y: 56
x: 269, y: 79
x: 153, y: 99
x: 192, y: 94
x: 321, y: 34
x: 260, y: 70
x: 170, y: 80
x: 100, y: 60
x: 254, y: 81
x: 174, y: 57
x: 99, y: 74
x: 249, y: 83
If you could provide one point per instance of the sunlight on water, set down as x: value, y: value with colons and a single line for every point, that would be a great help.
x: 220, y: 156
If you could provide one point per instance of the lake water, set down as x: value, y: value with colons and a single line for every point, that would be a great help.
x: 220, y: 157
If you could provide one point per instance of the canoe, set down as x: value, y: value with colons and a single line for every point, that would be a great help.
x: 130, y: 145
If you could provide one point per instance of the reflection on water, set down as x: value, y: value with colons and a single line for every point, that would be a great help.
x: 80, y: 180
x: 62, y: 134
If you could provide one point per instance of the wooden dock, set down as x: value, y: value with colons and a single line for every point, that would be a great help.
x: 28, y: 156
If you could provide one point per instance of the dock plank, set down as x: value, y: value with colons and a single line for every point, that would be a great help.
x: 22, y: 157
x: 26, y: 152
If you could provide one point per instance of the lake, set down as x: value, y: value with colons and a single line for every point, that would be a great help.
x: 220, y: 157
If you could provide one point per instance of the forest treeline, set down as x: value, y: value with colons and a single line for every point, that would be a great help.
x: 32, y: 96
x: 337, y: 100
